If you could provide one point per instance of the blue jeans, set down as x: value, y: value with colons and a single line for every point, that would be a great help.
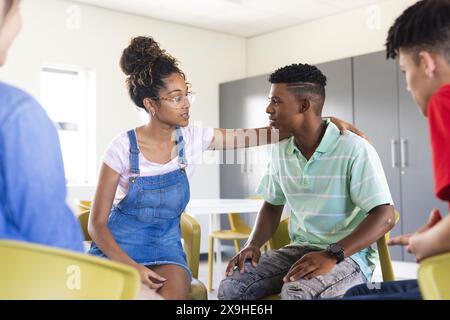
x: 267, y: 278
x: 390, y: 290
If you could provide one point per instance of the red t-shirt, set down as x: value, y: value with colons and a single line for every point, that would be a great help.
x: 439, y: 123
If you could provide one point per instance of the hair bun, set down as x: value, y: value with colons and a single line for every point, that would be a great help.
x: 140, y: 55
x: 146, y: 66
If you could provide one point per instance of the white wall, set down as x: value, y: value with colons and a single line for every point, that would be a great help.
x: 208, y: 58
x: 344, y: 35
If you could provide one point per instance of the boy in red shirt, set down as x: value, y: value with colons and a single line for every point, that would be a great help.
x: 421, y: 39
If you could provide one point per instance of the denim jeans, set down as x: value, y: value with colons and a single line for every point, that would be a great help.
x: 390, y: 290
x: 267, y: 278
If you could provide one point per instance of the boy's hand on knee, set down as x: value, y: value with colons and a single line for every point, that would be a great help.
x: 249, y: 252
x: 311, y: 265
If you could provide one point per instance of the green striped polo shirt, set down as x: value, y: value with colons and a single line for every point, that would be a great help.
x: 330, y: 194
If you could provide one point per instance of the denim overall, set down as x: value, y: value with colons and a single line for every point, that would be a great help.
x: 146, y: 223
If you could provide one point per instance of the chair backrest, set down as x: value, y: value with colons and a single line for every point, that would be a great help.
x: 434, y: 277
x: 83, y: 205
x: 31, y: 271
x: 238, y: 224
x: 191, y: 233
x: 281, y: 238
x: 387, y: 270
x: 83, y: 219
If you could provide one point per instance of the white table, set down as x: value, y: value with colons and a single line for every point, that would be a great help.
x: 215, y: 207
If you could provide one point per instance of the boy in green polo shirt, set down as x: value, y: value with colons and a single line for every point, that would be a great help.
x: 337, y: 192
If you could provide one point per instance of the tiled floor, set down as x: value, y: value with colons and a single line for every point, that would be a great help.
x: 402, y: 270
x: 203, y: 276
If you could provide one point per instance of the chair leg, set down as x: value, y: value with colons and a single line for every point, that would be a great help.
x: 210, y: 263
x: 237, y: 247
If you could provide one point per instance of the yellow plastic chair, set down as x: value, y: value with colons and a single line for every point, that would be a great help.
x: 35, y: 272
x: 281, y: 238
x: 190, y: 233
x: 434, y: 277
x: 239, y: 231
x: 387, y: 271
x: 83, y: 219
x: 83, y: 205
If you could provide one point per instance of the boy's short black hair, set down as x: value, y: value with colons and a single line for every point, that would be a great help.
x: 423, y: 26
x: 298, y: 73
x: 302, y: 80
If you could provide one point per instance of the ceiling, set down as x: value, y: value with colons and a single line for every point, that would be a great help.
x: 244, y: 18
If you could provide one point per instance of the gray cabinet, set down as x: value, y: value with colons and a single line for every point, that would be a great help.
x: 339, y: 99
x: 376, y: 114
x: 242, y: 105
x: 415, y: 166
x: 385, y: 111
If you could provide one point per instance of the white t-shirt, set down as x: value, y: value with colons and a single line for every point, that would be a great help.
x: 117, y: 157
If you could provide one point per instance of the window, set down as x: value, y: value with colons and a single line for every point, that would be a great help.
x: 68, y: 95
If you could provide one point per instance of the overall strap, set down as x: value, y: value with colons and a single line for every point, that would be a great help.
x: 134, y: 152
x: 181, y: 148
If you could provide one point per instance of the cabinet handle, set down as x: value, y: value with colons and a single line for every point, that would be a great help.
x: 394, y: 162
x: 245, y: 161
x: 403, y: 146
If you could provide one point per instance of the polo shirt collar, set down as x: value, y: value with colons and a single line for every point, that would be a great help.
x: 330, y: 138
x: 327, y: 143
x: 291, y: 146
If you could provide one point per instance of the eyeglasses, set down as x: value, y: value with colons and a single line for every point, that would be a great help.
x: 180, y: 100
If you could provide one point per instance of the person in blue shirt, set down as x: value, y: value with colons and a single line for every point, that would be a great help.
x: 32, y: 184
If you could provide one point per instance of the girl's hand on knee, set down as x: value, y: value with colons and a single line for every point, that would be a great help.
x: 150, y: 278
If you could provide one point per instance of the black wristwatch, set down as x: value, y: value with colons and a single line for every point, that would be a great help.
x: 336, y: 251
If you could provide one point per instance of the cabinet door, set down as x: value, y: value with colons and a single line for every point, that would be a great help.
x: 418, y: 197
x: 339, y: 99
x: 233, y: 182
x: 376, y: 114
x: 242, y: 105
x: 255, y: 117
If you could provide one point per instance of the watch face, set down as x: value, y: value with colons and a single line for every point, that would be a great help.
x: 335, y: 248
